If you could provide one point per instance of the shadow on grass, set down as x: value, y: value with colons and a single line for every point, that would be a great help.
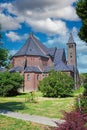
x: 12, y: 106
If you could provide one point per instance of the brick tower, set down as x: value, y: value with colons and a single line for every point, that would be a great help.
x: 71, y: 46
x: 72, y: 58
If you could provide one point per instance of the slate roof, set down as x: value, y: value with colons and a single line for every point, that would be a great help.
x: 71, y: 67
x: 61, y: 66
x: 33, y: 69
x: 32, y: 47
x: 16, y: 69
x: 51, y: 51
x: 48, y: 68
x: 71, y: 39
x: 58, y: 56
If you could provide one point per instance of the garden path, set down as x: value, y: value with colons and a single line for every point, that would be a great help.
x: 32, y: 118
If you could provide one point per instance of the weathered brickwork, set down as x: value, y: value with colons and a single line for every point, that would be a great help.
x: 31, y: 81
x: 34, y: 57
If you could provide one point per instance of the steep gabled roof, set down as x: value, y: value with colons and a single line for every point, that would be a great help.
x: 71, y: 39
x: 32, y: 47
x: 59, y: 64
x: 58, y: 56
x: 51, y: 51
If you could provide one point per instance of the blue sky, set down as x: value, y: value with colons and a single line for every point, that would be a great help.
x: 50, y: 21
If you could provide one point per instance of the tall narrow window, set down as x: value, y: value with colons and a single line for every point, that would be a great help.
x: 71, y: 55
x: 28, y: 77
x: 37, y: 77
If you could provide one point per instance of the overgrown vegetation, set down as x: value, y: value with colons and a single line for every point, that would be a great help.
x: 78, y: 91
x: 77, y: 119
x: 81, y: 103
x: 10, y: 83
x: 57, y: 84
x: 73, y: 121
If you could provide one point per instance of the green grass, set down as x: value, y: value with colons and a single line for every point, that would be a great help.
x: 7, y: 123
x: 49, y: 107
x: 79, y: 91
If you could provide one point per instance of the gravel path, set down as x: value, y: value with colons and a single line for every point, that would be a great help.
x: 32, y: 118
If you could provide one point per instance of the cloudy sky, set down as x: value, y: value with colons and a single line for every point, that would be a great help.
x: 51, y: 21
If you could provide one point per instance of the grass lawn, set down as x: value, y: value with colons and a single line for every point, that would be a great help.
x: 49, y: 107
x: 7, y: 123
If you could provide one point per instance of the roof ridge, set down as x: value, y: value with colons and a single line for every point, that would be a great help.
x: 39, y: 68
x: 23, y: 47
x: 33, y: 38
x: 28, y: 45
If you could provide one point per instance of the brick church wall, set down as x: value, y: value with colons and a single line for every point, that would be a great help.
x: 31, y: 61
x: 18, y: 61
x: 31, y: 81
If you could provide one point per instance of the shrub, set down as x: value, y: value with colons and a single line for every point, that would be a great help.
x: 30, y: 97
x: 83, y: 104
x: 85, y: 89
x: 79, y: 91
x: 9, y: 83
x: 73, y: 121
x: 57, y: 84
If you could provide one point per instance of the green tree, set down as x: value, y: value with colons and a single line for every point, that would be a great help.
x: 82, y: 78
x: 57, y: 84
x: 10, y: 83
x: 81, y: 9
x: 3, y: 52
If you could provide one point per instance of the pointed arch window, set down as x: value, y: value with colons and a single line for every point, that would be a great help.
x: 28, y: 77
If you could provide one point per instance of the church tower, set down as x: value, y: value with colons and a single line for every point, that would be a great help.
x: 71, y: 48
x: 72, y: 59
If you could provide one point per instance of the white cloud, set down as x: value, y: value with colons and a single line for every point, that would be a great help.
x: 16, y: 37
x: 10, y: 20
x: 41, y: 5
x: 13, y: 36
x: 59, y: 41
x: 9, y: 23
x: 82, y: 63
x: 67, y: 13
x: 48, y: 26
x: 46, y: 16
x: 42, y: 16
x: 12, y: 52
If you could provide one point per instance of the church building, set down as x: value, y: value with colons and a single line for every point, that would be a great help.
x: 34, y: 61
